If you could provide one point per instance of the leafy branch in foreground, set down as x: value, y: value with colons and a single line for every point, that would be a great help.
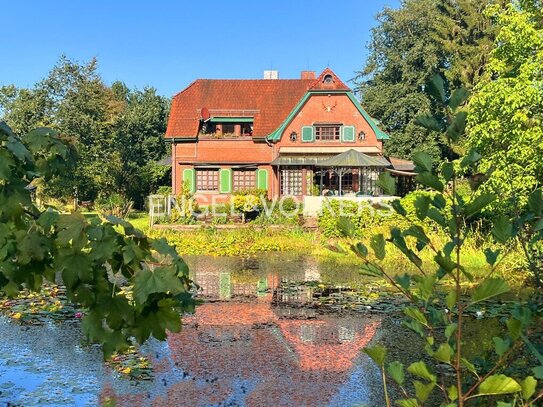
x: 91, y: 257
x: 438, y: 298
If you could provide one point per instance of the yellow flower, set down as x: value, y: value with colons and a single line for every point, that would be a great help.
x: 17, y: 315
x: 126, y: 370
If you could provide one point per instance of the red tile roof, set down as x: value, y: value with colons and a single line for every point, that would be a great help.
x: 334, y: 84
x: 269, y: 101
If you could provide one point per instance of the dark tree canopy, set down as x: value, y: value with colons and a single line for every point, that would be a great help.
x: 408, y: 46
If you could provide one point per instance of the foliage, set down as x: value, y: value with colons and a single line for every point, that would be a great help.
x: 366, y: 217
x: 438, y: 300
x: 249, y: 200
x: 91, y: 257
x: 238, y: 242
x: 408, y: 45
x: 113, y: 205
x: 118, y: 132
x: 506, y: 119
x: 185, y: 207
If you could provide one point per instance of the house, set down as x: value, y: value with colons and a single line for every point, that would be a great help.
x: 273, y: 134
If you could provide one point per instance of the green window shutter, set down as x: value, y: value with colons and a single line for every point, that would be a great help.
x: 225, y: 180
x: 262, y: 179
x: 189, y: 178
x: 307, y: 134
x: 348, y: 134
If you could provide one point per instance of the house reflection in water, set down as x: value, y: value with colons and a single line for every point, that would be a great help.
x: 258, y: 353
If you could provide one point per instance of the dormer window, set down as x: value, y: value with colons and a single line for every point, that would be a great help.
x: 328, y: 79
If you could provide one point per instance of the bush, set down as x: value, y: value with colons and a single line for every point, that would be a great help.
x: 113, y: 205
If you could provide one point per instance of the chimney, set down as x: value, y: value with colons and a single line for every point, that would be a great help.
x: 308, y: 75
x: 271, y: 74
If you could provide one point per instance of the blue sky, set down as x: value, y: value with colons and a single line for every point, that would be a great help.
x: 168, y: 44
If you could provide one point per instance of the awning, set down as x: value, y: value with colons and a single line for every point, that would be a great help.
x: 299, y: 160
x: 354, y: 159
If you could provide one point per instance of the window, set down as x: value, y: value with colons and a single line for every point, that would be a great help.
x: 207, y: 179
x: 291, y: 182
x: 328, y: 79
x: 327, y: 133
x: 244, y: 179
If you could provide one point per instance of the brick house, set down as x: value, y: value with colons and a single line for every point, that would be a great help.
x: 229, y: 135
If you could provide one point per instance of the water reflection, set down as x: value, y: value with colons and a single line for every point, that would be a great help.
x: 247, y: 346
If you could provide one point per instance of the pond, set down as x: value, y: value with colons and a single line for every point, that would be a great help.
x: 251, y: 343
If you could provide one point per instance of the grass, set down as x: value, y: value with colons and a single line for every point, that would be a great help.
x: 253, y: 241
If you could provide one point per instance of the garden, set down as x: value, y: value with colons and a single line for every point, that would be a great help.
x: 432, y: 300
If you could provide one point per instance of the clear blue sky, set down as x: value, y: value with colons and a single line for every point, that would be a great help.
x: 168, y: 44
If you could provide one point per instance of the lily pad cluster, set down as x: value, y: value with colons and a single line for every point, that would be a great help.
x: 52, y: 305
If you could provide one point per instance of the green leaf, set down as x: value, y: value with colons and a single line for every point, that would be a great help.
x: 429, y: 122
x: 398, y: 207
x: 528, y: 385
x: 421, y: 370
x: 445, y: 262
x: 468, y: 365
x: 447, y: 170
x: 450, y: 300
x: 161, y: 279
x: 452, y: 392
x: 403, y: 281
x: 71, y: 227
x: 395, y: 370
x: 429, y: 180
x: 450, y: 330
x: 488, y: 289
x: 498, y: 384
x: 514, y: 327
x: 502, y: 229
x: 480, y: 202
x: 458, y: 97
x: 415, y: 314
x: 18, y: 149
x: 407, y: 403
x: 377, y: 243
x: 538, y: 372
x: 346, y: 226
x: 387, y: 183
x: 360, y: 250
x: 415, y: 326
x: 491, y: 256
x: 501, y: 345
x: 470, y: 158
x: 535, y: 202
x: 422, y: 203
x: 458, y: 126
x: 422, y: 391
x: 423, y: 161
x: 377, y: 353
x: 435, y: 87
x: 444, y: 353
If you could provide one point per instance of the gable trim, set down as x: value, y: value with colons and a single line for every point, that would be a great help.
x: 380, y: 134
x: 276, y: 135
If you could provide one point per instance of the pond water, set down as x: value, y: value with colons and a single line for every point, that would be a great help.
x: 249, y: 344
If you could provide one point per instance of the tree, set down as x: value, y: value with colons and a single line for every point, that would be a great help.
x: 408, y: 46
x: 118, y: 132
x: 91, y: 257
x: 438, y: 298
x: 506, y: 112
x: 139, y: 138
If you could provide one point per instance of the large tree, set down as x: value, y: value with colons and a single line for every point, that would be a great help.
x: 118, y: 132
x: 408, y: 46
x: 506, y: 111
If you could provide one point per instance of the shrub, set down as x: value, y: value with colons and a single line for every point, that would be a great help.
x: 114, y: 205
